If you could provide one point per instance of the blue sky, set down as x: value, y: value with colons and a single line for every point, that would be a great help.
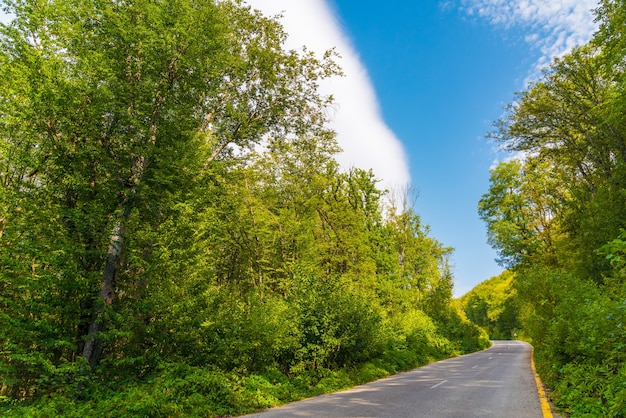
x: 424, y: 81
x: 436, y: 74
x: 442, y: 79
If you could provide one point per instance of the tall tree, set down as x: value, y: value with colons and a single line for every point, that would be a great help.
x: 567, y: 121
x: 111, y: 107
x: 570, y: 188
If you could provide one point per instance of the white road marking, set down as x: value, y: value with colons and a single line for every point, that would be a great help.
x: 475, y: 366
x: 438, y: 384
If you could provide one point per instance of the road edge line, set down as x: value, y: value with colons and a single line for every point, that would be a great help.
x: 543, y: 399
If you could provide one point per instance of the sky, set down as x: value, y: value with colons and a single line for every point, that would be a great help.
x: 424, y: 82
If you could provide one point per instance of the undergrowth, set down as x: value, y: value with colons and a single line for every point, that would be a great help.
x: 179, y: 390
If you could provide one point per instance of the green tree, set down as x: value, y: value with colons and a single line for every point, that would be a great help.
x: 173, y: 222
x: 569, y: 193
x: 112, y: 111
x: 569, y: 123
x: 503, y: 210
x: 492, y: 305
x: 525, y: 203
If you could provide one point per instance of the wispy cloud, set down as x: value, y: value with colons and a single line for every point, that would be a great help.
x: 553, y: 26
x: 446, y: 6
x: 366, y: 140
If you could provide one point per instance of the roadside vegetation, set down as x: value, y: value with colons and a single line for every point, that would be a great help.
x: 557, y: 216
x: 176, y: 237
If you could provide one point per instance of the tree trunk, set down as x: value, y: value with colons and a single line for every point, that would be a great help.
x: 91, y: 350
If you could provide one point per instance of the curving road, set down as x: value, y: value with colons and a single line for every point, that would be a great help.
x: 497, y: 382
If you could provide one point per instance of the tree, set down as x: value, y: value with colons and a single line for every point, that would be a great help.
x: 503, y: 210
x: 111, y: 108
x: 493, y: 305
x: 568, y: 122
x: 525, y: 203
x: 567, y: 206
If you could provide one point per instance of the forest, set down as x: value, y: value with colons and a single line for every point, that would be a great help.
x: 493, y: 306
x: 176, y: 236
x: 556, y: 214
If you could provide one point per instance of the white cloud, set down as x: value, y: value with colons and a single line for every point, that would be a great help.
x: 366, y: 140
x: 5, y: 18
x: 446, y: 6
x: 555, y: 26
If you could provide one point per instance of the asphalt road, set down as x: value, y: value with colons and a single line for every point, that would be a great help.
x: 497, y: 382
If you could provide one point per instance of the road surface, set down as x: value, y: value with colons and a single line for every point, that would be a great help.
x: 497, y: 382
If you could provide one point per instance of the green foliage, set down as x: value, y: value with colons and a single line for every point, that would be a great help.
x: 337, y: 326
x: 582, y: 351
x: 176, y: 236
x: 568, y: 193
x: 493, y: 306
x: 503, y: 211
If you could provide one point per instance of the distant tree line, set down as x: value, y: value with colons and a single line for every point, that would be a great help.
x: 493, y: 306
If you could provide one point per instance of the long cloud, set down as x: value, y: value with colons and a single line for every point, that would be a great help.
x: 366, y: 140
